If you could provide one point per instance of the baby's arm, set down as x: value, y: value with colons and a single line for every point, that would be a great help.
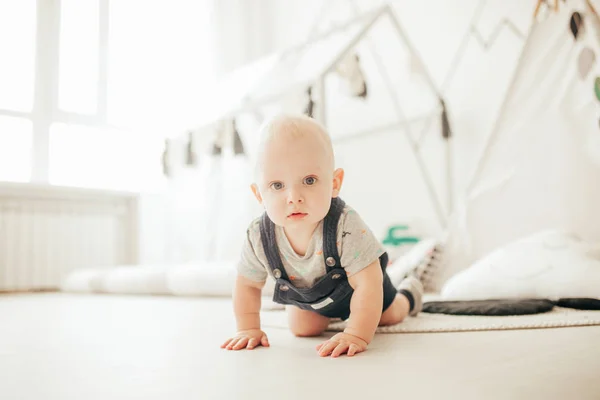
x: 246, y: 306
x: 366, y: 303
x: 246, y: 303
x: 365, y: 312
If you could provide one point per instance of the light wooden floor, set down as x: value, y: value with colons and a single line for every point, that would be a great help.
x: 60, y: 346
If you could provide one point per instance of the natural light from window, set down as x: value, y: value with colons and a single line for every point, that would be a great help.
x: 159, y: 63
x: 17, y: 54
x: 79, y: 35
x: 103, y: 158
x: 15, y: 149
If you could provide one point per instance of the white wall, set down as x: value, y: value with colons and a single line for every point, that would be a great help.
x: 242, y: 32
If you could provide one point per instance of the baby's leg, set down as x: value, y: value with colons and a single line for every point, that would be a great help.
x: 306, y: 323
x: 408, y: 301
x: 396, y: 312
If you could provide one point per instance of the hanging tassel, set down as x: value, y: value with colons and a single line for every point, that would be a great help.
x: 358, y: 79
x: 216, y: 150
x: 166, y: 165
x: 238, y: 145
x: 585, y: 62
x: 575, y: 24
x: 363, y: 92
x: 350, y: 71
x: 308, y: 110
x: 446, y: 131
x: 218, y: 143
x: 191, y: 158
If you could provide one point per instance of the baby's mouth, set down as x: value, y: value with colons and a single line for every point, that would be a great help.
x: 297, y: 215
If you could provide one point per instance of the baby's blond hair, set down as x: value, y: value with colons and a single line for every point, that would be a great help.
x: 293, y: 126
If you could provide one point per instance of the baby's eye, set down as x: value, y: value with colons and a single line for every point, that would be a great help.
x: 310, y: 180
x: 277, y: 185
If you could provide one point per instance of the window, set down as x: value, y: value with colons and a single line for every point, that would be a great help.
x: 15, y: 149
x: 114, y: 79
x: 101, y: 158
x: 17, y: 52
x: 79, y: 44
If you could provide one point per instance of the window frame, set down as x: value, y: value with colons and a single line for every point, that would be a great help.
x: 45, y: 110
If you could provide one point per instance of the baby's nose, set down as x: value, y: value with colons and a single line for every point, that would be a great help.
x: 295, y: 196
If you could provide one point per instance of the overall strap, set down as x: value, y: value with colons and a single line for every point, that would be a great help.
x: 269, y: 242
x: 330, y: 224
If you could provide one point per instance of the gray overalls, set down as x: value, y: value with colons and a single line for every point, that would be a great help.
x: 330, y: 295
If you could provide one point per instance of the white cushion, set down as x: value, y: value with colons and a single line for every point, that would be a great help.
x: 202, y: 279
x: 207, y: 279
x: 136, y: 280
x: 85, y: 280
x: 549, y: 264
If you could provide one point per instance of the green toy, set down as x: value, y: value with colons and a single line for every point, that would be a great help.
x: 395, y: 238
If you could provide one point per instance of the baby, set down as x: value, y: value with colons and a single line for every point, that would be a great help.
x: 325, y: 261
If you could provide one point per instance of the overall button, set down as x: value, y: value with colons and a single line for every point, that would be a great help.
x: 330, y: 261
x: 284, y: 288
x: 277, y: 273
x: 336, y: 276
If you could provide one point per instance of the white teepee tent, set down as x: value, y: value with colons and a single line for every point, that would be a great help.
x: 321, y: 77
x: 540, y: 169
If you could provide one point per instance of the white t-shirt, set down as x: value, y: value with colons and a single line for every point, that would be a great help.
x: 356, y: 244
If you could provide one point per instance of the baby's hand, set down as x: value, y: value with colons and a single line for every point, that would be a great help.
x: 340, y: 344
x: 248, y: 339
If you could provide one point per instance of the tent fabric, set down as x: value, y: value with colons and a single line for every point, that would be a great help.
x: 540, y: 169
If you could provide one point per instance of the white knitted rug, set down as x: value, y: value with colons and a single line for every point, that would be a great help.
x: 424, y: 322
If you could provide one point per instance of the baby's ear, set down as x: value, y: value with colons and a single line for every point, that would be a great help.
x: 338, y: 178
x: 256, y: 192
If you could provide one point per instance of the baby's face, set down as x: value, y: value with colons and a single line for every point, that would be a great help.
x: 296, y: 181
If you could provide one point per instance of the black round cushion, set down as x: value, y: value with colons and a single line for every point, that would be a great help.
x: 579, y: 303
x: 494, y: 307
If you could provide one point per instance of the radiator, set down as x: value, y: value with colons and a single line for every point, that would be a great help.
x: 48, y: 231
